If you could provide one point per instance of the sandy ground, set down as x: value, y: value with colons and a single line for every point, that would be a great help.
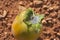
x: 51, y: 23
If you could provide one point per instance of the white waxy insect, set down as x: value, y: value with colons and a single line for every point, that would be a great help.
x: 35, y: 20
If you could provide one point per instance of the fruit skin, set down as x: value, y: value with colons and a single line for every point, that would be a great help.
x: 19, y: 28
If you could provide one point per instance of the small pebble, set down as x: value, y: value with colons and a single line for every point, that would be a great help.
x: 45, y: 7
x: 44, y: 22
x: 49, y: 19
x: 5, y: 33
x: 53, y: 14
x: 38, y: 2
x: 4, y: 14
x: 59, y: 15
